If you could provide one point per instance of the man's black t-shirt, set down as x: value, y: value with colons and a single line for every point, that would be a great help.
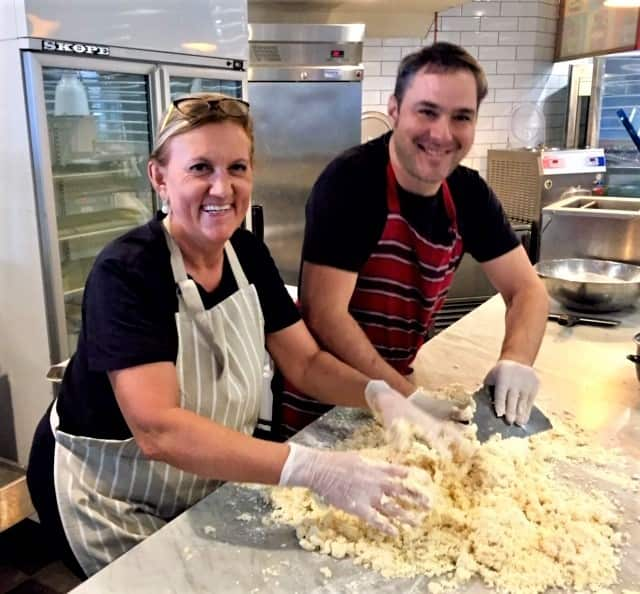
x: 347, y: 211
x: 128, y: 319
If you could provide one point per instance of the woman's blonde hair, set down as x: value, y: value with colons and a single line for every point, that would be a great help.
x: 177, y: 119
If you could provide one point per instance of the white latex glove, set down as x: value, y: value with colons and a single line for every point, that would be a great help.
x: 445, y: 410
x: 438, y: 431
x: 345, y: 480
x: 516, y: 386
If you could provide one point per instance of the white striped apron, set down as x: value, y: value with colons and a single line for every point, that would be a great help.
x: 110, y: 497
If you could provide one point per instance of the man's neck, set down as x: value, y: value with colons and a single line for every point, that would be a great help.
x: 409, y: 182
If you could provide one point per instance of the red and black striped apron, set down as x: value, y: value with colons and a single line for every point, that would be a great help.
x: 401, y: 287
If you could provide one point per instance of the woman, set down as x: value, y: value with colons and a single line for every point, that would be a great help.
x: 158, y: 404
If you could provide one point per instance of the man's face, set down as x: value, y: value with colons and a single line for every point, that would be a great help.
x: 434, y: 127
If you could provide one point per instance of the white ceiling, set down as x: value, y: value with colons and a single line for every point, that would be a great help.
x: 383, y: 18
x: 415, y: 5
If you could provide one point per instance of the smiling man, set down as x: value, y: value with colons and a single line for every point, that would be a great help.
x: 387, y: 225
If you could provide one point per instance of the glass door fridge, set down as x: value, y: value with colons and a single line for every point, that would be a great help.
x: 92, y: 124
x: 181, y: 80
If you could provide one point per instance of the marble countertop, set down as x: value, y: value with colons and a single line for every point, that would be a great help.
x: 221, y: 544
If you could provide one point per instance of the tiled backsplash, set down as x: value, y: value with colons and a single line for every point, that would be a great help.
x: 514, y: 43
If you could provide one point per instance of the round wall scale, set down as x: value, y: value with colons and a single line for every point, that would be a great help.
x: 374, y: 124
x: 527, y: 128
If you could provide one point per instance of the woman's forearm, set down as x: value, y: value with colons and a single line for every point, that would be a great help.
x: 195, y: 444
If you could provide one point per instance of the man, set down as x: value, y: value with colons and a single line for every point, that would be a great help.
x: 387, y: 225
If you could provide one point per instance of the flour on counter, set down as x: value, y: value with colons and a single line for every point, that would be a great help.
x: 326, y: 572
x: 504, y: 514
x: 245, y: 517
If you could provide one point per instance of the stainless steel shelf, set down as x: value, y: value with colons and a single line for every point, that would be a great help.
x: 74, y: 274
x: 70, y: 237
x: 94, y: 224
x: 90, y: 174
x: 72, y: 293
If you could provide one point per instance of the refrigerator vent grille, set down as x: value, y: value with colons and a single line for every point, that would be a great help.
x: 516, y: 183
x: 262, y: 52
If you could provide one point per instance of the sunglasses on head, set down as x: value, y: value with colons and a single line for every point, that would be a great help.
x: 194, y: 108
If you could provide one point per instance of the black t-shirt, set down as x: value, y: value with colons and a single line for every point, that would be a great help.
x: 128, y: 319
x: 347, y: 211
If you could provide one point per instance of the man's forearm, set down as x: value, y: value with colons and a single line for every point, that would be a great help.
x: 525, y: 324
x: 341, y: 335
x: 331, y: 381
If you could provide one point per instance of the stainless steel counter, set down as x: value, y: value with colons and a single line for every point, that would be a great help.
x: 221, y: 545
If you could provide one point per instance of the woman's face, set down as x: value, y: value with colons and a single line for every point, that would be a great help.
x: 208, y: 180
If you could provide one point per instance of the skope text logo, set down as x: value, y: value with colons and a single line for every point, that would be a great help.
x: 70, y: 47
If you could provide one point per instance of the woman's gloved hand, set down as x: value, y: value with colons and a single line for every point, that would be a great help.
x: 369, y: 490
x: 436, y: 429
x: 516, y: 386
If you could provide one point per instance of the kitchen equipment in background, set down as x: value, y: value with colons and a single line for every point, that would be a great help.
x: 471, y: 287
x: 257, y: 221
x: 616, y: 85
x: 626, y: 122
x: 579, y: 101
x: 374, y: 124
x: 190, y: 82
x: 489, y: 424
x: 527, y: 129
x: 525, y: 181
x: 636, y: 358
x: 600, y: 227
x: 305, y: 90
x: 569, y: 320
x: 591, y: 285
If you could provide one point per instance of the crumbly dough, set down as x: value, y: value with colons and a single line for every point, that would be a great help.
x: 506, y: 514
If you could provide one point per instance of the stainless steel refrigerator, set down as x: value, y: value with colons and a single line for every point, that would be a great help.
x: 305, y: 90
x: 86, y: 88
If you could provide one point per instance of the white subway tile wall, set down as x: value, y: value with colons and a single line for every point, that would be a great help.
x: 514, y: 42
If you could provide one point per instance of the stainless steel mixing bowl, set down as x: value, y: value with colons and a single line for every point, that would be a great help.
x: 591, y: 285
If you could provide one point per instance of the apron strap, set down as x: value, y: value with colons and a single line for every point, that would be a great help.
x: 187, y: 288
x: 236, y: 267
x: 393, y: 203
x: 449, y: 205
x: 189, y: 295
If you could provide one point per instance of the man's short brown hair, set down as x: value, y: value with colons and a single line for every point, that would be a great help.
x: 440, y: 57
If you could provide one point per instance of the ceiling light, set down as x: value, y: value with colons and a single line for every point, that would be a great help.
x: 622, y: 3
x: 200, y: 46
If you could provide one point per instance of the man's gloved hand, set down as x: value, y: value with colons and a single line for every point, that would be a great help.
x: 445, y: 410
x: 345, y: 480
x: 516, y: 386
x: 437, y: 430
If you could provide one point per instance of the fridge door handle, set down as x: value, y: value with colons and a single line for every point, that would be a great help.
x: 257, y: 221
